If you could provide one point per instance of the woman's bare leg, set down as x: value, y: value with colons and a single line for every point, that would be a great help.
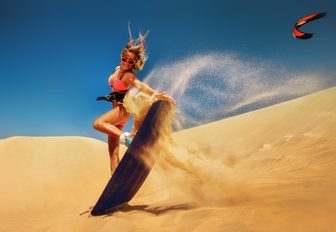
x: 113, y: 146
x: 112, y: 123
x: 107, y: 123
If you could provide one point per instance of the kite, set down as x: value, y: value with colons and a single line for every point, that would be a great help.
x: 301, y: 35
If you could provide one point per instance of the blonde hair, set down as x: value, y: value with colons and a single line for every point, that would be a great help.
x: 138, y: 48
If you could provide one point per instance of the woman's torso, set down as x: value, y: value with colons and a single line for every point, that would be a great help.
x: 121, y: 81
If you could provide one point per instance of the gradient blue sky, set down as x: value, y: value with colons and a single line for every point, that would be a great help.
x: 55, y: 56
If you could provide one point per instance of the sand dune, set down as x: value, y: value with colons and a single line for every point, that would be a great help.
x: 269, y: 170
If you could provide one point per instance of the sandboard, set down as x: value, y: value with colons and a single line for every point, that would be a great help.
x: 136, y: 164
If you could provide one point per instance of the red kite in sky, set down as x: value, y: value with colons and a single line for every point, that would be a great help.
x: 301, y: 35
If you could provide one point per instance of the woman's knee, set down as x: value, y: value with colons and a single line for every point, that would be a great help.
x: 97, y: 124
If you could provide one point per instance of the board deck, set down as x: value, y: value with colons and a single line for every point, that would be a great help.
x: 136, y: 164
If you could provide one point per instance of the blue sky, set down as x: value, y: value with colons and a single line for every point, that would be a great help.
x: 55, y: 56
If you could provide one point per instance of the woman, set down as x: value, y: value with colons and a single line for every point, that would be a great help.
x: 133, y: 57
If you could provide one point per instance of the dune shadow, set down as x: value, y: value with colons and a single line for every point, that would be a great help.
x: 155, y: 210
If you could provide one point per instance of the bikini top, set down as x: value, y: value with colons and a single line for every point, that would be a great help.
x: 118, y: 85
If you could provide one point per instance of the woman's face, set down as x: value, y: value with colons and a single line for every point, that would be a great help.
x: 127, y: 60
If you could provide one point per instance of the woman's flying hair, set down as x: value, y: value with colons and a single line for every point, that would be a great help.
x: 138, y: 48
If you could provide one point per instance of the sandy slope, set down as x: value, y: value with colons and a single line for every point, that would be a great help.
x: 269, y: 170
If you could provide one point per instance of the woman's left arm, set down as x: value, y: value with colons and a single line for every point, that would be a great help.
x: 151, y: 92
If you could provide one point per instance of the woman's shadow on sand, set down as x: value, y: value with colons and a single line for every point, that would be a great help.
x: 155, y: 210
